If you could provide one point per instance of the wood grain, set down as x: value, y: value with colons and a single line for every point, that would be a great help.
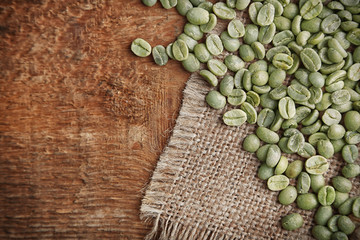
x: 82, y: 120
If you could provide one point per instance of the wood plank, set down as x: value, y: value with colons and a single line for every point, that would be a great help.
x: 82, y: 120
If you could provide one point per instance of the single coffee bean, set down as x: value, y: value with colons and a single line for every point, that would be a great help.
x: 140, y: 47
x: 216, y: 100
x: 323, y: 214
x: 311, y: 9
x: 352, y: 137
x: 340, y: 198
x: 331, y: 116
x: 265, y: 172
x: 351, y: 170
x: 236, y: 28
x: 346, y: 225
x: 246, y: 53
x: 167, y: 4
x: 202, y: 53
x: 352, y: 120
x: 294, y: 169
x: 292, y: 221
x: 266, y: 15
x: 307, y: 201
x: 160, y: 56
x: 325, y: 148
x: 217, y: 67
x: 326, y: 195
x: 236, y: 97
x: 235, y: 117
x: 253, y: 98
x: 267, y: 33
x: 273, y: 155
x: 230, y: 44
x: 210, y: 25
x: 341, y: 184
x: 265, y: 117
x: 321, y: 232
x: 353, y: 73
x: 214, y: 44
x: 317, y: 182
x: 234, y: 63
x: 267, y: 135
x: 350, y: 153
x: 336, y: 132
x: 310, y: 59
x: 346, y: 207
x: 332, y: 223
x: 330, y: 24
x: 287, y: 108
x: 298, y: 92
x: 288, y: 195
x: 303, y: 183
x: 283, y: 38
x: 250, y: 112
x: 197, y: 16
x: 149, y: 3
x: 339, y: 236
x: 193, y: 31
x: 251, y: 33
x: 282, y: 165
x: 277, y: 182
x: 183, y: 6
x: 209, y: 77
x: 316, y: 165
x: 226, y: 85
x: 254, y: 9
x: 180, y: 50
x: 356, y: 207
x: 242, y: 4
x: 307, y: 150
x: 191, y: 64
x: 223, y: 12
x: 251, y: 143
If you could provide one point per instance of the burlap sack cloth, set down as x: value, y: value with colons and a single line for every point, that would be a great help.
x: 205, y: 185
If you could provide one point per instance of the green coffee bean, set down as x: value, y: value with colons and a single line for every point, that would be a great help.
x: 197, y: 16
x: 266, y: 15
x: 216, y: 67
x: 345, y: 225
x: 310, y: 59
x: 196, y: 3
x: 183, y: 6
x: 298, y: 92
x: 208, y: 6
x: 352, y: 137
x: 167, y: 4
x: 193, y: 31
x: 296, y: 24
x: 265, y: 117
x: 251, y: 143
x: 140, y: 47
x: 357, y: 54
x: 356, y: 207
x: 223, y: 12
x: 209, y: 77
x: 303, y: 183
x: 325, y: 102
x: 282, y: 61
x: 277, y: 182
x: 317, y: 182
x: 283, y: 142
x: 214, y: 44
x: 159, y: 55
x: 351, y: 170
x: 321, y: 232
x: 250, y: 112
x: 283, y: 38
x: 210, y: 25
x: 149, y: 3
x: 191, y: 64
x: 287, y: 108
x: 325, y: 148
x: 259, y: 50
x: 202, y: 53
x: 336, y: 132
x: 332, y: 223
x: 316, y: 38
x: 307, y: 150
x: 278, y: 92
x: 315, y: 95
x: 216, y: 100
x: 277, y: 123
x: 330, y: 24
x: 236, y: 28
x: 254, y: 8
x: 353, y: 73
x: 235, y: 117
x: 317, y: 79
x: 261, y: 153
x: 339, y: 236
x: 326, y: 195
x: 169, y: 51
x: 323, y: 214
x: 267, y: 102
x: 253, y: 98
x: 288, y: 195
x: 246, y: 53
x: 307, y: 201
x: 260, y: 78
x: 331, y: 116
x: 282, y: 23
x: 276, y: 50
x: 311, y: 9
x: 335, y: 6
x: 265, y: 172
x: 296, y: 139
x: 260, y: 65
x: 251, y: 33
x: 316, y: 165
x: 346, y: 207
x: 311, y: 129
x: 341, y: 184
x: 282, y: 165
x: 226, y: 85
x: 350, y: 153
x: 353, y: 36
x: 277, y: 78
x: 328, y: 69
x: 246, y: 80
x: 303, y: 37
x: 242, y: 4
x: 236, y: 97
x: 267, y: 135
x: 273, y: 156
x: 234, y: 63
x: 292, y: 221
x: 338, y: 144
x: 230, y: 44
x: 267, y: 33
x: 294, y: 169
x: 291, y: 10
x: 180, y: 50
x: 316, y: 137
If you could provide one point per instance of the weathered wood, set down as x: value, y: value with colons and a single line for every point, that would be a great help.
x: 82, y: 120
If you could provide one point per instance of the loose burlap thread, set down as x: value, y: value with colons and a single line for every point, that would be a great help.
x: 205, y: 186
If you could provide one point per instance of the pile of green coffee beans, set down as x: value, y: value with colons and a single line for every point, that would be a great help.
x: 315, y: 114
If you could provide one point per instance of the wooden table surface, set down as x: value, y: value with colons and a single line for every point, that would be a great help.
x: 82, y: 120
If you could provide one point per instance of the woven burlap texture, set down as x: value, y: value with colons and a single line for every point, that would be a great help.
x: 205, y: 185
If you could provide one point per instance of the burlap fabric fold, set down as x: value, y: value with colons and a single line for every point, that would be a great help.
x: 205, y: 185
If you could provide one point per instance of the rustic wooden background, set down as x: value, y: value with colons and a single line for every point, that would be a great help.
x: 82, y: 119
